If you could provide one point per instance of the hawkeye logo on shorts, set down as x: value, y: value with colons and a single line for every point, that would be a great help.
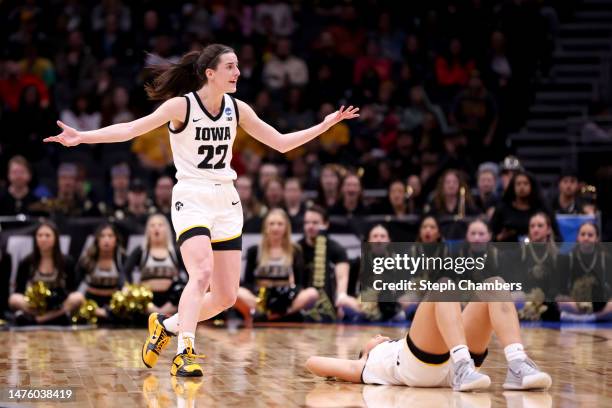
x: 178, y: 205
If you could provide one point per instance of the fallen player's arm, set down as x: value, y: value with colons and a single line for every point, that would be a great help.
x: 347, y: 370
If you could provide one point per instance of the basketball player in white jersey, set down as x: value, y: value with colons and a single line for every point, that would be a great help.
x: 442, y: 349
x: 206, y: 212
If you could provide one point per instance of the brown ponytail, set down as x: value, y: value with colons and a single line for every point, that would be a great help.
x: 187, y: 75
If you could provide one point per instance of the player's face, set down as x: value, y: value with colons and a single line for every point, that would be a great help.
x: 107, y: 240
x: 227, y: 73
x: 539, y: 230
x: 313, y: 223
x: 45, y: 238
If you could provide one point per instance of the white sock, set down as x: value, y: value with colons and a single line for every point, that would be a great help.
x: 459, y: 353
x: 181, y: 341
x: 515, y: 351
x: 172, y: 323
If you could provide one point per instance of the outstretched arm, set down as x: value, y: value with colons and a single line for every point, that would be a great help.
x: 266, y: 134
x: 172, y: 109
x: 347, y: 370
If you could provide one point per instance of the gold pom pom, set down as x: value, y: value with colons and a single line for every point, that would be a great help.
x: 370, y: 309
x: 86, y: 314
x: 582, y: 288
x: 534, y: 305
x: 262, y: 299
x: 37, y: 295
x: 585, y: 307
x: 131, y: 300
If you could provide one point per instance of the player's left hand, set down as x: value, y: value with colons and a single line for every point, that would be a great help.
x: 381, y: 338
x: 340, y: 115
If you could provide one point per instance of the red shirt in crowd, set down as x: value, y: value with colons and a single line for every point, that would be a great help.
x: 455, y: 74
x: 382, y: 67
x: 11, y: 88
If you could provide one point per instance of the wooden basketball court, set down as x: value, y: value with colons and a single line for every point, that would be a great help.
x: 264, y: 367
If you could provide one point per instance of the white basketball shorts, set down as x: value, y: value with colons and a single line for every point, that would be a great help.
x: 210, y: 208
x: 400, y: 362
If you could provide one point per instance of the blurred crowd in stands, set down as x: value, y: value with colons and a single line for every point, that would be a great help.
x: 440, y: 84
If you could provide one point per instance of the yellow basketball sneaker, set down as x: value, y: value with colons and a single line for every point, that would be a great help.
x: 158, y: 340
x: 184, y: 364
x: 186, y: 389
x: 154, y: 396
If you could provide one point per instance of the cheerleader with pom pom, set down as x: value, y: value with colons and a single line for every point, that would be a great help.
x: 43, y: 280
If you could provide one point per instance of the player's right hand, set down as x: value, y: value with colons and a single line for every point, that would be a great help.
x: 68, y: 137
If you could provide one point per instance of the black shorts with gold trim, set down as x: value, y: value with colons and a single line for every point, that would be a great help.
x: 227, y: 244
x: 431, y: 358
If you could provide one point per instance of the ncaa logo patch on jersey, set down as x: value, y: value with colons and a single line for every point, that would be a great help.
x: 228, y: 113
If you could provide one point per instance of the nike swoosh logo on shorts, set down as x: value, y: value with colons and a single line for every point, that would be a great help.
x: 234, y: 203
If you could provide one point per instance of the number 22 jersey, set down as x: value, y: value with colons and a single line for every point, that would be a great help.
x: 202, y: 146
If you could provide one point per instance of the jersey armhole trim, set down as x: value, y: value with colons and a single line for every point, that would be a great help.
x: 185, y: 122
x: 236, y: 110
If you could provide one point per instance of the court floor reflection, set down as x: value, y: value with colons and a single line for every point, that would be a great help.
x: 379, y: 396
x: 264, y: 367
x: 374, y: 396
